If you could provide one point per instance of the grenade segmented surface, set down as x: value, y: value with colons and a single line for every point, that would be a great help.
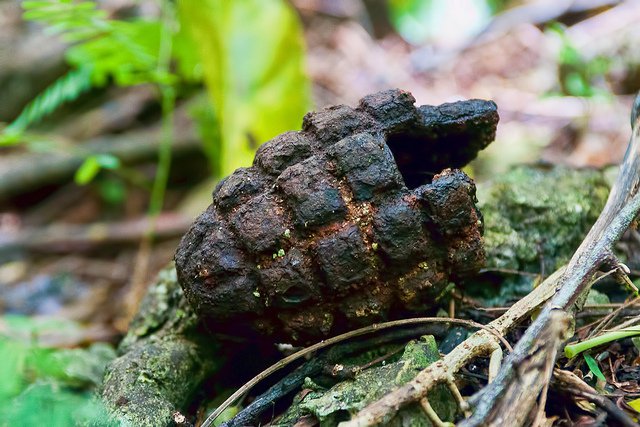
x: 355, y: 219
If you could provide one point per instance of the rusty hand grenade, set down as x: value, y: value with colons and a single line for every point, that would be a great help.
x: 358, y: 218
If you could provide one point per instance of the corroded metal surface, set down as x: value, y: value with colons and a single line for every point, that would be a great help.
x: 345, y: 223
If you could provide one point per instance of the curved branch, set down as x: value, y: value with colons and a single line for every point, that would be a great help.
x: 621, y: 209
x: 481, y: 343
x: 596, y: 250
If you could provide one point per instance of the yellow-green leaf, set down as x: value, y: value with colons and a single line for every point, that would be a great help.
x: 253, y: 65
x: 87, y: 171
x: 635, y: 404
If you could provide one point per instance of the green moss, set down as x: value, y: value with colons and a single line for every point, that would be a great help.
x: 163, y: 358
x: 532, y: 213
x: 536, y: 217
x: 334, y: 405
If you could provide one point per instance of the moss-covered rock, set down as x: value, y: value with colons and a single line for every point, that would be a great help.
x: 536, y: 217
x: 162, y: 360
x: 348, y: 397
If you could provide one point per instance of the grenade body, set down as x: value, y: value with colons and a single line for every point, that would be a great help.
x: 357, y: 218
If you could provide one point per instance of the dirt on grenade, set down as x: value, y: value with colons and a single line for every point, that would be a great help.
x: 358, y: 218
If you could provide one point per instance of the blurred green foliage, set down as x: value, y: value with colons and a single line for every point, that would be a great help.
x: 419, y: 21
x: 65, y: 89
x: 48, y: 386
x: 409, y: 18
x: 578, y: 75
x: 92, y: 165
x: 249, y: 54
x: 252, y: 58
x: 100, y: 50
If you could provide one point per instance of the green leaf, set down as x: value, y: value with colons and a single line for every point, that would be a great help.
x: 569, y: 55
x: 411, y: 18
x: 593, y: 367
x: 26, y: 365
x: 577, y: 85
x: 48, y: 404
x: 8, y: 138
x: 76, y: 367
x: 87, y: 171
x: 126, y: 51
x: 187, y: 56
x: 253, y: 65
x: 92, y: 165
x: 103, y: 50
x: 201, y: 112
x: 420, y: 20
x: 112, y: 191
x: 13, y: 357
x: 73, y: 21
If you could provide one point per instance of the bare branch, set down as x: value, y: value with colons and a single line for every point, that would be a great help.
x: 621, y: 209
x: 480, y: 343
x: 596, y: 250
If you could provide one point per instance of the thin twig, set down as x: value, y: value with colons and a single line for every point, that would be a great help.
x: 480, y: 343
x: 575, y: 280
x: 630, y: 322
x: 62, y: 238
x: 569, y: 383
x: 606, y: 321
x: 334, y: 340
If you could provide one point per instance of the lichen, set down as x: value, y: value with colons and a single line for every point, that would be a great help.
x: 534, y: 213
x: 163, y: 303
x: 334, y: 405
x: 163, y: 359
x: 535, y: 218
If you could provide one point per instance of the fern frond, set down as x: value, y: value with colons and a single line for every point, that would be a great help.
x: 103, y: 49
x: 127, y: 56
x: 67, y: 88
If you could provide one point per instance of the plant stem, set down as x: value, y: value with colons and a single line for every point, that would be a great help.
x: 168, y: 95
x: 573, y: 350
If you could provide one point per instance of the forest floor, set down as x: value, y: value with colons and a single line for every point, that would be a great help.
x: 74, y: 261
